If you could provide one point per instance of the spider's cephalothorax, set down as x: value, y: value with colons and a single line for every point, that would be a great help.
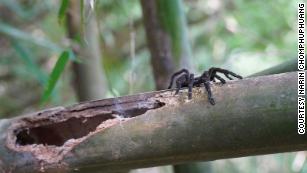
x: 186, y: 79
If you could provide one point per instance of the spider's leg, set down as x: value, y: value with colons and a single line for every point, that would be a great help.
x: 225, y: 72
x: 208, y: 89
x: 211, y: 73
x: 220, y: 78
x: 176, y: 74
x: 178, y: 86
x: 191, y: 83
x: 227, y: 75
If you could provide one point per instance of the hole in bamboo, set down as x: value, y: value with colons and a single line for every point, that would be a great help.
x: 57, y: 133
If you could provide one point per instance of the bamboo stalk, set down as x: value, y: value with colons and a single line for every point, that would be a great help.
x: 251, y: 117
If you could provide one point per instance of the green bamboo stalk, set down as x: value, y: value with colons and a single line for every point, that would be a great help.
x: 167, y: 39
x: 89, y: 77
x: 173, y: 21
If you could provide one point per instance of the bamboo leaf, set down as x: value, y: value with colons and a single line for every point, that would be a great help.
x: 55, y: 75
x: 81, y: 14
x: 62, y: 11
x: 19, y: 34
x: 25, y: 55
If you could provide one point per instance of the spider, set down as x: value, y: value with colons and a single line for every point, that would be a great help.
x: 187, y: 79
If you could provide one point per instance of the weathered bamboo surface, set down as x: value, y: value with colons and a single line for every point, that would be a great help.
x: 251, y: 117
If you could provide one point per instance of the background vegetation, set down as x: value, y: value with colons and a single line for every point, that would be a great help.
x: 243, y: 36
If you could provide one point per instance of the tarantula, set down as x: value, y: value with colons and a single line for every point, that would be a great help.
x: 186, y: 79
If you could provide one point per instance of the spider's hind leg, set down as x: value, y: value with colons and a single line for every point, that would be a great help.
x: 176, y: 74
x: 191, y: 84
x: 181, y: 82
x: 178, y: 86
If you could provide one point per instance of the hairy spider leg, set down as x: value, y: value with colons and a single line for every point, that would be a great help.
x: 178, y: 86
x: 180, y: 82
x: 176, y: 74
x: 208, y: 89
x: 227, y: 75
x: 211, y: 73
x: 197, y: 81
x: 191, y: 84
x: 205, y: 75
x: 205, y: 79
x: 214, y: 70
x: 219, y: 78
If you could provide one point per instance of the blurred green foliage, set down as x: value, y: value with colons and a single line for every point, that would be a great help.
x: 55, y: 75
x: 62, y: 11
x: 243, y: 36
x: 170, y: 22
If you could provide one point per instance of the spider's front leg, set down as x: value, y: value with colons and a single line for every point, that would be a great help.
x: 227, y: 73
x: 208, y: 89
x: 205, y: 79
